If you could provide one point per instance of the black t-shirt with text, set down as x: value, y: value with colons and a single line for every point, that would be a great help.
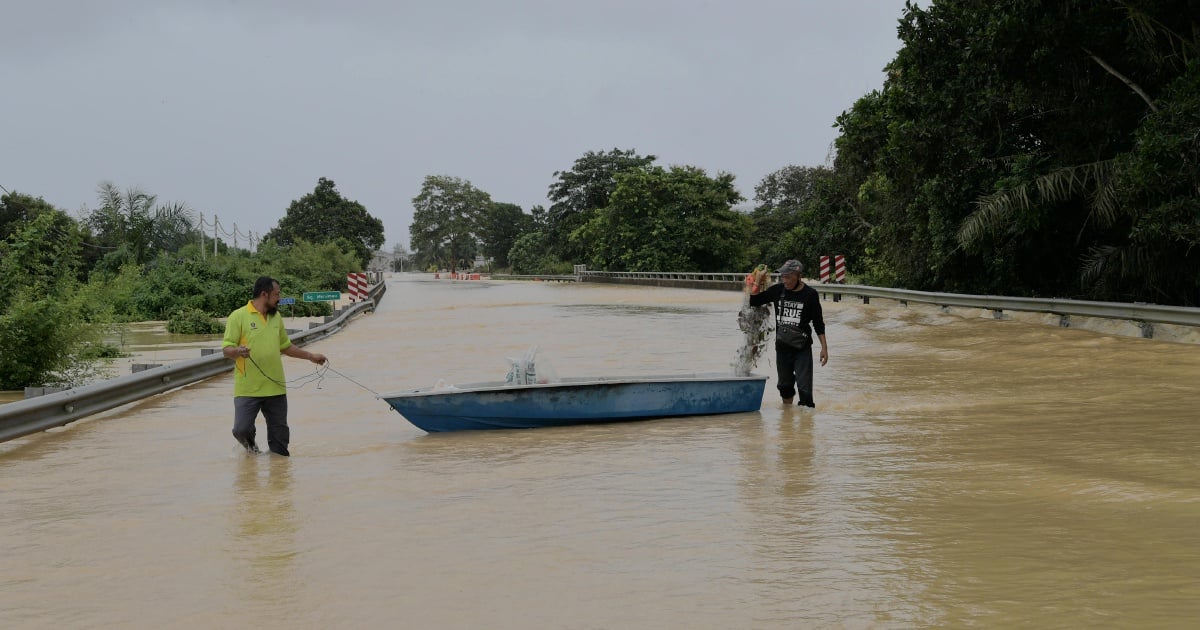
x: 794, y: 312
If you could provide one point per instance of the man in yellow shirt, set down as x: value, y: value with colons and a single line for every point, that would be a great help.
x: 255, y: 339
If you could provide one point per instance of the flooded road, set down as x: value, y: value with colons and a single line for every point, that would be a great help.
x: 957, y: 471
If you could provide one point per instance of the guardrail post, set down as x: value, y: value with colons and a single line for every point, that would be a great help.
x: 34, y: 392
x: 1147, y: 329
x: 1064, y: 321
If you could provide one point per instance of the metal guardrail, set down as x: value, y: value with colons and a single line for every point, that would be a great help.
x: 666, y: 275
x: 1138, y: 312
x: 535, y: 277
x: 675, y: 279
x: 28, y: 416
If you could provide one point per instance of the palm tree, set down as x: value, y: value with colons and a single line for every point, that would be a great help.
x: 133, y: 220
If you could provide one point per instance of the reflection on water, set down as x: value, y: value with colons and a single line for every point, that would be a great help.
x: 958, y: 471
x: 262, y: 544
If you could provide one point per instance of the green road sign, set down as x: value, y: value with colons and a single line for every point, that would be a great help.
x: 322, y: 296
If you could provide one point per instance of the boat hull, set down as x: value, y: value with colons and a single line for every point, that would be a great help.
x: 576, y: 401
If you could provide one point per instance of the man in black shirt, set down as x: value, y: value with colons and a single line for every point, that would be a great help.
x: 796, y: 306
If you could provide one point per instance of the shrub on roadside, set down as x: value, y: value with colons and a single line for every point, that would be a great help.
x: 192, y: 321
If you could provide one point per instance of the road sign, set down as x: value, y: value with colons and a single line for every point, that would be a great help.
x: 287, y: 300
x: 322, y: 296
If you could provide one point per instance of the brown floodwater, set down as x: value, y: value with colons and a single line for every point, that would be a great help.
x: 958, y: 471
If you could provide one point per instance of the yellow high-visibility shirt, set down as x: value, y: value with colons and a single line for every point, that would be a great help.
x: 266, y: 337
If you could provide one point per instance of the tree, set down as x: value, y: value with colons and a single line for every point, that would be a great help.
x: 988, y: 162
x: 447, y: 215
x: 135, y: 228
x: 527, y: 253
x: 1103, y: 177
x: 324, y: 216
x: 1157, y: 191
x: 500, y: 226
x: 783, y: 199
x: 43, y: 330
x: 17, y: 209
x: 581, y: 191
x: 678, y: 219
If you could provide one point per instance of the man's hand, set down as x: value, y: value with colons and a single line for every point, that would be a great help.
x: 235, y: 352
x: 297, y: 352
x: 824, y: 355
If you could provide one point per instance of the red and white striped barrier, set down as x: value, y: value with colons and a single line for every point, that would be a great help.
x: 839, y: 269
x: 356, y: 283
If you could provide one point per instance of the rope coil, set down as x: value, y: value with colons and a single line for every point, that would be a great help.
x: 317, y: 376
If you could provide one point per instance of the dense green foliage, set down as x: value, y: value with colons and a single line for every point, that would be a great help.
x: 16, y: 210
x: 132, y: 227
x: 191, y: 321
x: 677, y: 219
x: 448, y: 217
x: 803, y: 213
x: 530, y: 255
x: 1014, y: 145
x: 1158, y: 190
x: 58, y: 297
x: 500, y: 226
x: 323, y: 216
x: 43, y: 332
x: 577, y: 194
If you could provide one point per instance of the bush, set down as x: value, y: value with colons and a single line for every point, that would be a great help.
x: 192, y: 321
x: 41, y: 342
x: 97, y: 351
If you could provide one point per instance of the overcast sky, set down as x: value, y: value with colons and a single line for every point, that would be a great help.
x: 237, y: 107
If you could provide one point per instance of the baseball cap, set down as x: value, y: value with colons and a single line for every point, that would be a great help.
x: 791, y: 266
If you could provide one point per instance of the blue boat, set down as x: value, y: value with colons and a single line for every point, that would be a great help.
x: 579, y: 400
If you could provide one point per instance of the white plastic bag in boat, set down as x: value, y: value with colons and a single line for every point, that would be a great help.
x: 538, y: 368
x: 516, y: 372
x: 530, y: 369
